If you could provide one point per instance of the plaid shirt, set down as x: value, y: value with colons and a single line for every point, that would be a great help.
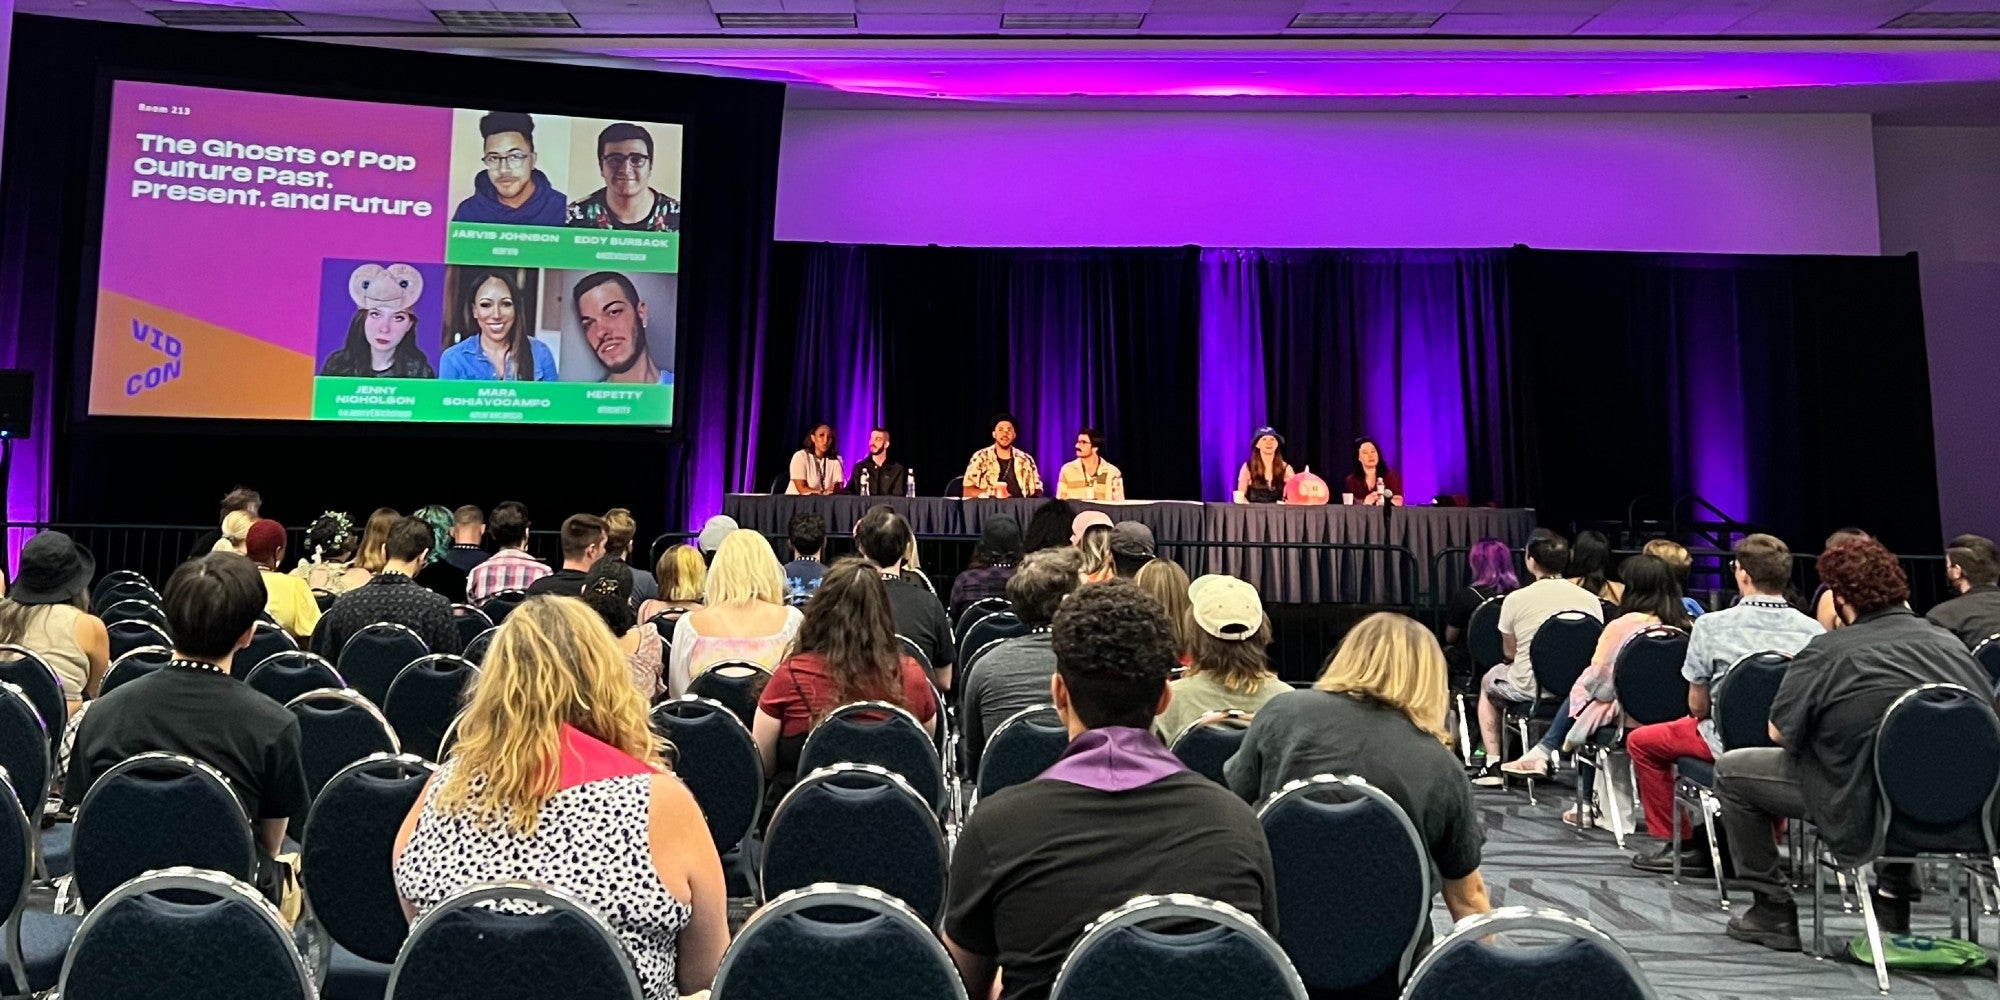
x: 508, y: 569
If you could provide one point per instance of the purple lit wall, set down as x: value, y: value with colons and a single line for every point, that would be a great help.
x: 1669, y: 182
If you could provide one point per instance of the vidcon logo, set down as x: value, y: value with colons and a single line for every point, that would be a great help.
x: 167, y: 370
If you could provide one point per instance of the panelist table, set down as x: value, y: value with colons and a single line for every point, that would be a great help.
x: 1292, y: 555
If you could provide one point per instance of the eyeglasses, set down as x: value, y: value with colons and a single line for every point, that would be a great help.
x: 615, y: 162
x: 511, y: 161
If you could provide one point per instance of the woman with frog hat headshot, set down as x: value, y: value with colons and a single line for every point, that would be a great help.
x: 379, y: 337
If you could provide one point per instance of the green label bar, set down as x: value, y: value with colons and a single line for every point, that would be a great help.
x: 467, y: 402
x: 573, y: 249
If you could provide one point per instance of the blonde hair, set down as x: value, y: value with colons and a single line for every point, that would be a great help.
x: 1096, y: 548
x: 1166, y: 582
x: 235, y: 527
x: 745, y: 569
x: 619, y: 527
x: 373, y: 552
x: 553, y: 662
x: 1674, y: 554
x: 682, y: 573
x: 1238, y: 665
x: 1391, y: 659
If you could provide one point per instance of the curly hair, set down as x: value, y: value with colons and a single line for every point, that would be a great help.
x: 1864, y: 575
x: 1114, y: 650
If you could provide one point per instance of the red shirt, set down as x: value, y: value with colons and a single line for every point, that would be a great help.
x: 801, y: 685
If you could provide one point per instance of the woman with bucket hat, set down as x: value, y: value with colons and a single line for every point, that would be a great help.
x: 47, y: 612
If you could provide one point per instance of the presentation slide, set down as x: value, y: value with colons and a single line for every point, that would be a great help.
x: 267, y: 256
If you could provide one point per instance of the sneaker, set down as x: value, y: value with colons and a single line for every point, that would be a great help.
x: 1892, y: 913
x: 1770, y: 923
x: 1694, y: 860
x: 1534, y: 763
x: 1489, y: 777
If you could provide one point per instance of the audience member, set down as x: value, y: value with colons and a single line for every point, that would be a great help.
x: 1821, y: 604
x: 369, y: 557
x: 439, y: 575
x: 713, y: 532
x: 745, y: 617
x: 1131, y: 548
x: 1095, y: 547
x: 583, y: 544
x: 235, y: 528
x: 1761, y: 620
x: 557, y: 780
x: 47, y: 612
x: 1972, y: 567
x: 329, y: 553
x: 1493, y: 576
x: 1118, y: 816
x: 287, y: 599
x: 468, y: 531
x: 806, y: 534
x: 392, y: 596
x: 1522, y: 614
x: 846, y: 651
x: 884, y: 539
x: 620, y: 529
x: 1080, y: 525
x: 1014, y: 674
x: 1590, y: 568
x: 1824, y: 720
x: 683, y: 575
x: 1166, y: 582
x: 1228, y: 670
x: 194, y: 708
x: 608, y: 591
x: 992, y: 565
x: 241, y: 499
x: 1675, y: 555
x: 1377, y: 711
x: 510, y: 567
x: 1048, y: 526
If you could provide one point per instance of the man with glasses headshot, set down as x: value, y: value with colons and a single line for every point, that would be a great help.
x: 627, y: 199
x: 511, y: 191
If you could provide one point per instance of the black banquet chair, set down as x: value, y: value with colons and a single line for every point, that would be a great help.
x: 159, y: 810
x: 134, y: 633
x: 29, y: 764
x: 1472, y: 962
x: 133, y: 665
x: 1559, y: 653
x: 284, y: 676
x: 1208, y: 742
x: 832, y: 941
x: 35, y: 941
x: 859, y: 824
x: 497, y: 607
x: 1988, y: 655
x: 470, y: 622
x: 1651, y: 690
x: 736, y: 684
x: 148, y: 941
x: 513, y: 939
x: 475, y: 649
x: 715, y: 756
x: 424, y: 699
x: 374, y: 655
x: 38, y: 681
x: 990, y: 629
x: 1028, y: 743
x: 977, y: 610
x: 133, y: 609
x: 122, y: 585
x: 266, y: 641
x: 1193, y: 945
x: 1740, y: 704
x: 877, y: 732
x: 337, y: 728
x: 350, y: 835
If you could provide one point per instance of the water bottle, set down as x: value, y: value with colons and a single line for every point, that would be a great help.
x: 910, y: 483
x: 865, y: 477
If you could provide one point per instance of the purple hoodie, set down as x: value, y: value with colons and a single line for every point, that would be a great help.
x: 546, y: 207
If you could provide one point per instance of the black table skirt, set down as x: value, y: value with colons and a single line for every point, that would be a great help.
x: 1292, y: 555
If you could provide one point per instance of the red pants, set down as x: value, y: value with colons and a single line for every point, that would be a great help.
x: 1653, y: 750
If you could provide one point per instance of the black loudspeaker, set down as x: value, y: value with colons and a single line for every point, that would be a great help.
x: 17, y: 402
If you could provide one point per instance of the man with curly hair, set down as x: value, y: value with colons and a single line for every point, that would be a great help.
x: 1824, y: 721
x: 1118, y: 816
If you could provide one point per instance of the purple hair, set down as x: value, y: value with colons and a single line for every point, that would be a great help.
x: 1493, y: 565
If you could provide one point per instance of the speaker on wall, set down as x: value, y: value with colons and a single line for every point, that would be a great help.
x: 17, y: 402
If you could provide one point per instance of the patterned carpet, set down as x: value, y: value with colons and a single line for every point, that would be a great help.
x: 1676, y: 932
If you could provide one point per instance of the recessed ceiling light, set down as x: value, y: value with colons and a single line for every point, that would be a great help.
x: 224, y: 17
x: 1921, y: 19
x: 1073, y: 22
x: 1366, y: 19
x: 503, y: 20
x: 785, y: 20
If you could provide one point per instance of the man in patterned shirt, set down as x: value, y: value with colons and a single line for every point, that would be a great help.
x: 392, y: 596
x: 627, y: 199
x: 1002, y: 465
x: 511, y: 567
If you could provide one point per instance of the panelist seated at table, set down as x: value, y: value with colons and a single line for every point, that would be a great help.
x: 1002, y: 469
x: 816, y: 468
x: 875, y: 474
x: 1372, y: 482
x: 1090, y: 477
x: 1262, y: 477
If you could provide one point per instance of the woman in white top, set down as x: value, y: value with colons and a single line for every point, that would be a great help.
x: 744, y: 617
x: 816, y: 468
x: 47, y: 613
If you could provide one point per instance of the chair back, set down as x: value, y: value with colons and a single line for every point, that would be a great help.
x: 134, y: 633
x: 998, y: 625
x: 350, y: 836
x: 470, y: 622
x: 25, y: 753
x: 1988, y: 655
x: 17, y: 876
x: 324, y: 598
x: 122, y: 585
x: 1482, y: 635
x: 737, y: 684
x: 284, y: 676
x: 859, y: 824
x: 37, y: 680
x: 513, y: 939
x: 1937, y: 763
x: 915, y: 652
x: 133, y: 665
x: 1740, y: 702
x: 978, y: 609
x: 475, y: 649
x: 1561, y: 650
x: 373, y: 657
x: 1207, y: 743
x: 1353, y: 878
x: 424, y: 698
x: 665, y: 621
x: 184, y: 932
x: 266, y: 640
x: 836, y: 942
x: 1191, y: 944
x: 1647, y: 675
x: 133, y: 609
x: 158, y: 810
x: 877, y: 732
x: 1467, y: 964
x: 715, y: 756
x: 337, y: 728
x: 499, y: 605
x: 1029, y: 742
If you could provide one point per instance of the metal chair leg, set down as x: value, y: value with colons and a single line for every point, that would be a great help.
x: 1464, y: 735
x: 1840, y: 879
x: 1951, y: 893
x: 1608, y: 794
x: 1816, y: 947
x: 1680, y: 804
x: 1874, y: 929
x: 1708, y: 808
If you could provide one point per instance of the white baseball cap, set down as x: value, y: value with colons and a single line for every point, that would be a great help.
x: 1225, y: 607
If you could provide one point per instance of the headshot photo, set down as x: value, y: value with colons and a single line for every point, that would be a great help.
x: 490, y: 331
x: 376, y: 317
x: 509, y: 168
x: 636, y: 167
x: 616, y: 326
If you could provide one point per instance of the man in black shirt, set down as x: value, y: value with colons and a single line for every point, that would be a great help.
x: 392, y: 596
x: 468, y: 529
x: 583, y: 542
x: 883, y: 536
x: 1972, y: 564
x: 884, y: 478
x: 192, y: 707
x: 1118, y: 816
x: 1824, y: 719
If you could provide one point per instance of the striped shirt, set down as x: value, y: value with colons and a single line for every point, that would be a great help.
x: 508, y: 569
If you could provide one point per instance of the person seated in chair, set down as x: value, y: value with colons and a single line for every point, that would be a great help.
x: 392, y: 596
x: 1824, y: 721
x: 1972, y: 567
x: 1522, y: 614
x: 884, y: 539
x: 1014, y: 675
x: 1228, y: 668
x: 510, y: 567
x: 1117, y: 816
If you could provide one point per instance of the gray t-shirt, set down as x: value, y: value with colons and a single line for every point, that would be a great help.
x: 1013, y: 676
x: 1721, y: 639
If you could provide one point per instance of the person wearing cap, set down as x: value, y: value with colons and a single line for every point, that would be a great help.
x: 1262, y: 478
x: 1002, y: 469
x: 47, y: 612
x: 1014, y: 675
x: 287, y: 599
x: 992, y: 564
x: 1228, y: 670
x: 1095, y: 544
x: 1089, y: 476
x: 713, y: 532
x: 1083, y: 522
x: 1131, y: 548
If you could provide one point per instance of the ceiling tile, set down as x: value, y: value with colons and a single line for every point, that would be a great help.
x: 817, y: 6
